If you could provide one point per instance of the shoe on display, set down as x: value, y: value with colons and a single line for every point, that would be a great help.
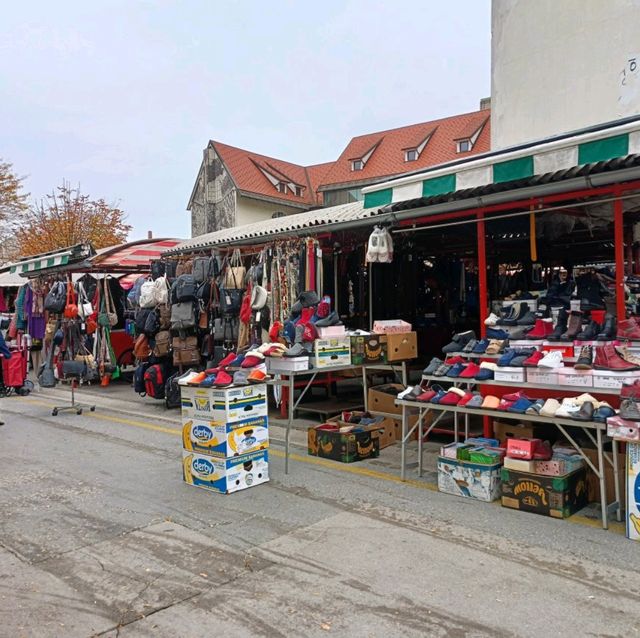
x: 258, y: 375
x: 506, y: 358
x: 436, y: 399
x: 450, y: 398
x: 433, y: 366
x: 491, y: 320
x: 456, y: 369
x: 520, y: 358
x: 208, y: 381
x: 515, y: 396
x: 450, y: 361
x: 630, y: 409
x: 520, y: 333
x: 603, y: 412
x: 520, y: 406
x: 240, y: 377
x: 585, y: 359
x: 608, y: 331
x: 561, y: 326
x: 496, y: 346
x: 459, y: 341
x: 627, y: 355
x: 628, y: 329
x: 470, y: 346
x: 521, y: 311
x: 567, y: 408
x: 534, y: 359
x: 467, y: 397
x: 585, y: 413
x: 442, y: 370
x: 486, y: 371
x: 254, y: 358
x: 607, y: 358
x: 475, y: 402
x: 227, y: 360
x: 574, y: 327
x: 198, y: 378
x: 405, y: 392
x: 415, y: 392
x: 493, y: 333
x: 490, y: 402
x: 528, y: 319
x: 223, y: 380
x: 186, y: 377
x: 332, y: 319
x: 550, y: 407
x: 481, y: 346
x: 542, y: 450
x: 426, y: 396
x: 585, y: 398
x: 630, y: 389
x: 470, y: 371
x: 535, y: 407
x: 551, y: 359
x: 589, y: 332
x: 541, y: 330
x: 504, y: 405
x: 297, y: 350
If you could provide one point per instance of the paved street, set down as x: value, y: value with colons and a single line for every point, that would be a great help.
x: 99, y: 536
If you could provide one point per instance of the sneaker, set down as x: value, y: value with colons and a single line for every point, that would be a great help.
x: 433, y: 366
x: 491, y: 320
x: 535, y: 407
x: 552, y: 359
x: 534, y: 359
x: 550, y: 407
x: 567, y: 408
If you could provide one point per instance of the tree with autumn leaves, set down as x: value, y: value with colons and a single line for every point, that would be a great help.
x: 67, y: 217
x: 13, y: 206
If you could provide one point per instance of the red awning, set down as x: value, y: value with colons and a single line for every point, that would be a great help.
x: 132, y: 257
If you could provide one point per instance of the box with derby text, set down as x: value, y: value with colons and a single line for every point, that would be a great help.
x: 332, y: 352
x: 225, y: 439
x: 221, y: 406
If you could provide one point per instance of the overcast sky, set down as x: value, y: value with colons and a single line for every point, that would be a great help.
x: 122, y: 96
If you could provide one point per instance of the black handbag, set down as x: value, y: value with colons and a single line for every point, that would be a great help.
x: 72, y: 368
x: 231, y: 300
x: 56, y: 298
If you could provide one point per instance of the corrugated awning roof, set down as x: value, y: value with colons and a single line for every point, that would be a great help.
x: 135, y: 256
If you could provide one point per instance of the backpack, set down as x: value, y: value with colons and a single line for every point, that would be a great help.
x: 147, y: 296
x: 141, y: 319
x: 163, y: 344
x: 160, y: 291
x: 151, y: 324
x: 138, y: 378
x: 154, y: 381
x: 182, y: 316
x: 133, y: 297
x: 172, y: 397
x: 183, y: 289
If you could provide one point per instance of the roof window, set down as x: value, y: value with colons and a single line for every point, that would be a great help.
x: 357, y: 165
x: 464, y: 145
x: 411, y: 155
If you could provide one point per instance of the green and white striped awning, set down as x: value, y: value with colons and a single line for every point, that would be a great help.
x: 54, y: 259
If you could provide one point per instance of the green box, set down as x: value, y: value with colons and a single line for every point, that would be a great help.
x: 368, y: 349
x: 328, y: 442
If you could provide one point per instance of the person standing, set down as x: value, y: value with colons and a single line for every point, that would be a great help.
x: 4, y: 352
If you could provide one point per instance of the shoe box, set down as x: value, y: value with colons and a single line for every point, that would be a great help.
x: 225, y: 475
x: 401, y: 347
x: 225, y: 440
x: 633, y: 491
x: 503, y: 431
x: 224, y: 405
x: 555, y: 496
x: 623, y: 429
x: 470, y: 480
x: 566, y: 348
x: 335, y: 351
x: 328, y: 442
x: 613, y: 380
x: 287, y: 364
x: 387, y: 431
x: 331, y: 331
x: 368, y: 349
x: 391, y: 326
x: 509, y: 374
x: 573, y: 377
x: 382, y: 398
x: 542, y: 376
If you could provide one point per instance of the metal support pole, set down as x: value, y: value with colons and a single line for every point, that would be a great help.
x: 618, y: 234
x: 483, y: 296
x: 290, y: 406
x: 370, y: 296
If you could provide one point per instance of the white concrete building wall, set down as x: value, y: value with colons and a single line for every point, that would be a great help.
x: 561, y: 65
x: 249, y: 210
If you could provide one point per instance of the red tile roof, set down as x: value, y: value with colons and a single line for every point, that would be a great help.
x: 386, y: 160
x: 388, y: 157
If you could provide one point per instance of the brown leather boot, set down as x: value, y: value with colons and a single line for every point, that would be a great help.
x: 574, y: 326
x: 613, y: 360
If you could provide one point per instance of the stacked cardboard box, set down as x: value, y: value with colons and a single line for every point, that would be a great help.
x: 225, y: 437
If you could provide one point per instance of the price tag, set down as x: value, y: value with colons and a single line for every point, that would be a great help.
x: 228, y: 300
x: 258, y: 315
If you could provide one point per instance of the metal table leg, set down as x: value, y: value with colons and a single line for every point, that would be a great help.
x: 403, y: 443
x: 421, y: 416
x: 365, y: 388
x: 293, y: 404
x: 603, y: 483
x: 616, y: 478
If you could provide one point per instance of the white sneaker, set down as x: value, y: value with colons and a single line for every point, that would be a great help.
x: 404, y: 393
x: 552, y: 359
x: 567, y: 408
x: 550, y: 407
x: 491, y: 320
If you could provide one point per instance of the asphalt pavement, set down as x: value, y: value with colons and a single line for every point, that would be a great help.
x: 99, y: 536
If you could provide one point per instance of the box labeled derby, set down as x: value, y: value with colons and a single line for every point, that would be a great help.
x: 225, y: 439
x: 227, y: 405
x: 332, y: 352
x: 225, y: 475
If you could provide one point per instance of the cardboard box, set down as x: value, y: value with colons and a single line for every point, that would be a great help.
x: 401, y: 347
x: 503, y: 430
x: 555, y: 496
x: 522, y: 448
x: 225, y: 475
x: 471, y: 480
x: 558, y: 465
x: 225, y: 440
x: 328, y: 442
x: 380, y: 401
x: 573, y: 377
x: 543, y: 376
x: 225, y: 405
x: 520, y: 465
x: 287, y: 364
x: 623, y: 429
x: 593, y: 483
x: 368, y: 349
x: 633, y: 491
x: 332, y: 352
x: 331, y: 331
x: 612, y: 380
x: 391, y: 326
x: 509, y: 374
x: 386, y: 428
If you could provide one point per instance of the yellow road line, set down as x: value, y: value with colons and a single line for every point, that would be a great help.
x: 614, y: 526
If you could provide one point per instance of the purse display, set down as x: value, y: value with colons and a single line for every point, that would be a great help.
x: 235, y: 272
x: 185, y: 351
x: 56, y: 298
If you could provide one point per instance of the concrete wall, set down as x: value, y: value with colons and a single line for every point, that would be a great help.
x: 560, y: 65
x: 249, y: 210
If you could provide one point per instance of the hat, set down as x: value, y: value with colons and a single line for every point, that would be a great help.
x: 258, y: 298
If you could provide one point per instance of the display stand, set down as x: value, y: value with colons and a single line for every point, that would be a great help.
x: 312, y: 373
x: 73, y: 407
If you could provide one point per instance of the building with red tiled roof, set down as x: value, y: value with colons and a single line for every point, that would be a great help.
x: 236, y: 187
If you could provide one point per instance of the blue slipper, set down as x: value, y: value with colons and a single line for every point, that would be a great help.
x: 520, y: 406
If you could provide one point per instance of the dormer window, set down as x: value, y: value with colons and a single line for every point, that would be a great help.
x: 357, y: 165
x: 464, y: 146
x: 282, y: 187
x: 299, y: 190
x: 411, y: 155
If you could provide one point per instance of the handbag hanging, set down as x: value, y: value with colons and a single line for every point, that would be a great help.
x: 235, y: 273
x: 85, y: 307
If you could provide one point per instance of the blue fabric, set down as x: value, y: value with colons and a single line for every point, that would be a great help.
x: 507, y: 357
x: 481, y: 346
x: 438, y: 396
x: 520, y: 406
x: 456, y: 369
x: 4, y: 350
x: 485, y: 374
x: 494, y: 333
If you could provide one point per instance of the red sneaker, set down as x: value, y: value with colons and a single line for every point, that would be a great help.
x: 532, y: 361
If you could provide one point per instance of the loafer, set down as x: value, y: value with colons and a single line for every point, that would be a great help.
x: 585, y: 413
x: 433, y: 366
x: 481, y: 346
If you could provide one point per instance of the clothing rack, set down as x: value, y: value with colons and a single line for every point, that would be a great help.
x: 73, y: 406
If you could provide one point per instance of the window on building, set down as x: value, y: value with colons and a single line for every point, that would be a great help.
x: 282, y: 187
x: 357, y: 165
x: 411, y: 155
x: 299, y: 190
x: 464, y: 146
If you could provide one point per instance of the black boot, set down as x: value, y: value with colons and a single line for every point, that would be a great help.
x: 590, y: 332
x: 561, y: 326
x: 608, y: 330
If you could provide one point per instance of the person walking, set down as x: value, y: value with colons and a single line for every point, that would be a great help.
x: 4, y: 352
